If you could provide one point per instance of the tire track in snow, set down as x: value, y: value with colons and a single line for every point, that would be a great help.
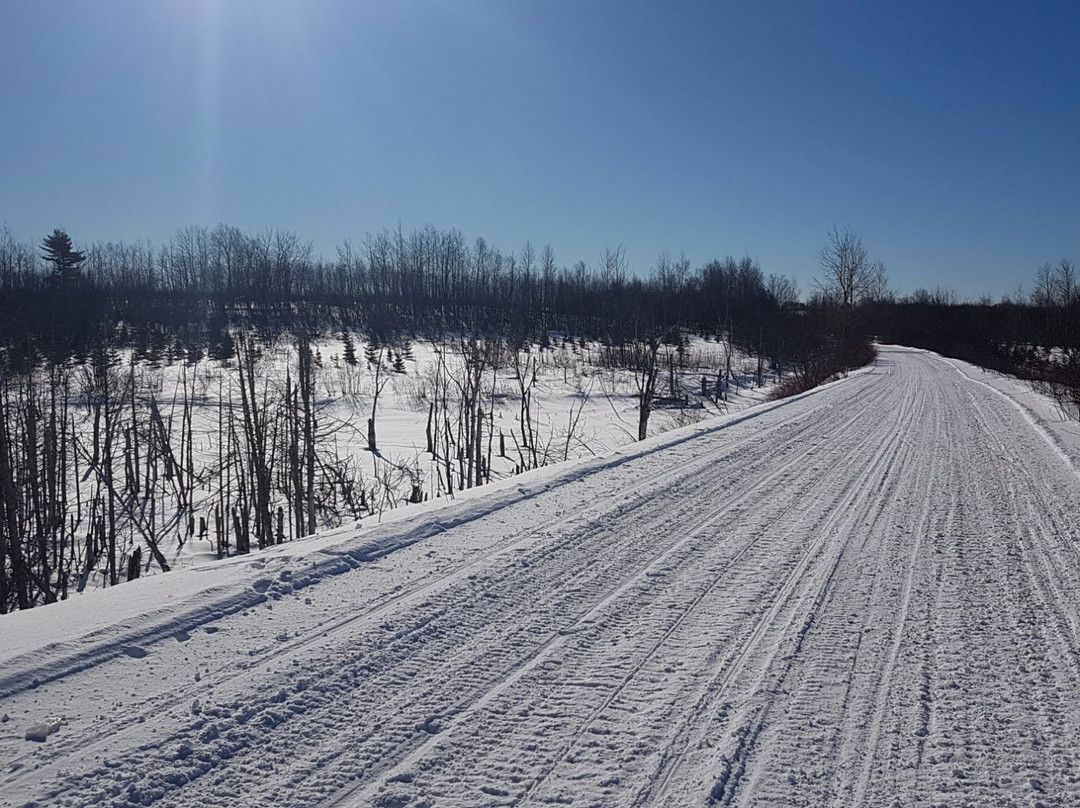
x: 734, y: 754
x: 938, y: 705
x: 701, y: 525
x: 642, y: 655
x: 671, y: 760
x: 868, y: 747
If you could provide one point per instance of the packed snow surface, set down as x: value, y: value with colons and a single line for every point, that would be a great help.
x: 868, y: 595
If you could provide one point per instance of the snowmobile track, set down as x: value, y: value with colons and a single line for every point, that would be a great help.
x: 864, y: 596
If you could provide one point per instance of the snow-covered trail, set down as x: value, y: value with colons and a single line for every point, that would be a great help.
x: 866, y: 596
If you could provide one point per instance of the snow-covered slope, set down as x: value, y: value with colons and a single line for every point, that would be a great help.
x: 864, y: 596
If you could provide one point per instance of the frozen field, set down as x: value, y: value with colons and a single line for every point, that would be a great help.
x: 868, y: 595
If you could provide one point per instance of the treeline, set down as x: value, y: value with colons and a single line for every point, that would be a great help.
x: 202, y: 283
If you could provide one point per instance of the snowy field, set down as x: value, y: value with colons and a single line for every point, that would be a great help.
x: 867, y: 595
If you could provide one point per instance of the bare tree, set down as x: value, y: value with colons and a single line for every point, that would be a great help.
x: 878, y: 288
x: 847, y: 276
x: 376, y: 354
x: 257, y: 411
x: 646, y: 367
x: 1068, y: 288
x: 525, y: 366
x: 1057, y: 296
x: 783, y: 290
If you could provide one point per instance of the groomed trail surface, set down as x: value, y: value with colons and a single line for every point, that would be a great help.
x: 866, y: 596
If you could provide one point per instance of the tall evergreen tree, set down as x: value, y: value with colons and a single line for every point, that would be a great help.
x: 65, y: 259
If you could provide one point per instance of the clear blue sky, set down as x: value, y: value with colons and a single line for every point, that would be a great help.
x: 946, y: 134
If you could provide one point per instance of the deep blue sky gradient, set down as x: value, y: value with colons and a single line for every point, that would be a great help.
x: 944, y: 133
